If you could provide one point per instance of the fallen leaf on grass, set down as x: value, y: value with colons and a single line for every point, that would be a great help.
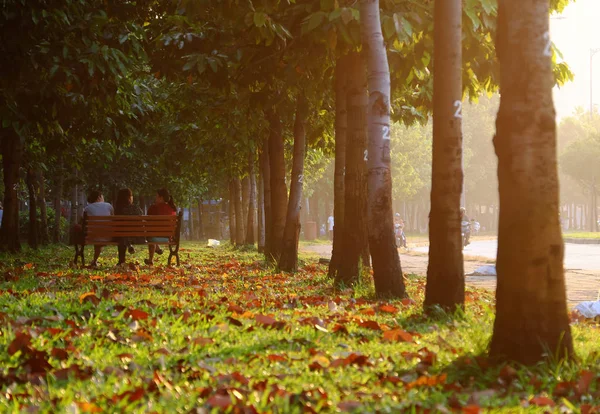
x: 349, y: 406
x: 370, y: 325
x: 87, y: 407
x: 21, y: 343
x: 59, y: 353
x: 136, y: 314
x: 583, y: 385
x: 202, y: 341
x: 220, y: 401
x: 131, y: 396
x: 276, y: 358
x: 89, y: 297
x: 424, y: 381
x: 542, y: 401
x: 397, y: 335
x: 388, y: 309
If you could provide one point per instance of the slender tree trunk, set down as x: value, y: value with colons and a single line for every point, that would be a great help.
x: 56, y: 236
x: 387, y: 271
x: 74, y: 199
x: 314, y: 211
x: 232, y: 218
x: 355, y: 203
x: 33, y: 238
x: 531, y: 307
x: 200, y: 220
x: 239, y: 212
x: 289, y: 253
x: 245, y: 203
x: 44, y: 237
x: 250, y: 237
x: 278, y: 187
x: 266, y: 179
x: 341, y: 123
x: 445, y: 274
x: 261, y: 208
x: 12, y: 150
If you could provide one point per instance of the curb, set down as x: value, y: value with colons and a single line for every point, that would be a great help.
x: 582, y: 241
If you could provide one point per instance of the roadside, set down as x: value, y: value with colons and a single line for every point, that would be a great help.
x: 582, y: 285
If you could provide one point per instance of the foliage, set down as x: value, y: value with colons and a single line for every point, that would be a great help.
x: 24, y: 222
x: 225, y: 332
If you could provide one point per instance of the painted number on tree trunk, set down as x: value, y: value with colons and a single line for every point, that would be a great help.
x: 458, y: 112
x: 548, y: 46
x: 386, y: 132
x: 366, y: 155
x: 300, y: 178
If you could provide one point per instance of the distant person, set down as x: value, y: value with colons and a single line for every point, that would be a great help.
x: 465, y: 224
x: 125, y: 207
x: 330, y: 224
x: 98, y: 207
x: 163, y: 206
x: 1, y: 214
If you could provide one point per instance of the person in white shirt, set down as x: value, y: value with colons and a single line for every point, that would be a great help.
x: 330, y: 226
x: 98, y: 207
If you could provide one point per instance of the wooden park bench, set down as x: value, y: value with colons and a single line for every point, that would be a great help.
x: 134, y: 228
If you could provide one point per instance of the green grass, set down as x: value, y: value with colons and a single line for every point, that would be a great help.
x: 227, y: 332
x: 581, y: 235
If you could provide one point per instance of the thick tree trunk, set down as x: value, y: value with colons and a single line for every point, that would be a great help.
x: 445, y: 274
x: 239, y: 212
x: 261, y: 208
x: 250, y: 237
x: 387, y: 271
x: 531, y: 309
x: 32, y: 238
x: 266, y: 179
x: 245, y: 203
x: 278, y: 187
x: 74, y: 195
x: 289, y: 254
x: 12, y: 150
x: 340, y: 165
x: 44, y: 237
x: 232, y: 218
x: 56, y: 236
x: 355, y: 204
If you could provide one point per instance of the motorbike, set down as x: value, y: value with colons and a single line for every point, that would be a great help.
x: 465, y: 229
x: 400, y: 236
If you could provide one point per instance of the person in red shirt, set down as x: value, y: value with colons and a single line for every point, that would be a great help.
x: 163, y: 206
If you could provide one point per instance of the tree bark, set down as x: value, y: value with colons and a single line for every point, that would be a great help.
x: 261, y: 207
x: 278, y: 187
x: 12, y: 151
x: 232, y: 218
x: 341, y: 124
x: 314, y: 211
x: 445, y: 274
x: 355, y: 211
x: 245, y: 204
x: 74, y: 201
x: 239, y: 212
x: 531, y: 309
x: 387, y: 271
x: 266, y: 178
x: 32, y: 238
x: 44, y: 237
x: 56, y: 236
x: 250, y: 237
x: 200, y: 220
x: 289, y: 254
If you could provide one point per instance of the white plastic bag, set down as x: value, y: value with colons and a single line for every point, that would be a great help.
x: 589, y: 309
x: 213, y: 243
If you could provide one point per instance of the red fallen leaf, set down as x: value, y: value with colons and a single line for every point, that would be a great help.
x: 131, y: 396
x: 59, y: 353
x: 234, y: 321
x: 28, y: 266
x: 388, y: 309
x: 407, y: 302
x: 424, y: 381
x: 219, y: 400
x: 141, y: 336
x: 235, y: 308
x: 397, y: 335
x: 427, y: 357
x: 75, y: 371
x: 125, y: 356
x: 370, y: 325
x: 340, y: 328
x: 136, y: 314
x: 276, y: 358
x: 54, y: 331
x: 542, y: 401
x: 87, y: 295
x: 37, y: 363
x: 352, y: 359
x: 583, y: 385
x: 202, y: 341
x: 588, y: 409
x: 21, y: 343
x: 351, y: 406
x: 562, y: 389
x: 264, y: 320
x: 315, y: 366
x: 240, y: 378
x: 508, y: 373
x: 87, y: 407
x: 162, y: 351
x: 471, y: 409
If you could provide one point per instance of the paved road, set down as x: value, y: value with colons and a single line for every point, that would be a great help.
x: 577, y: 256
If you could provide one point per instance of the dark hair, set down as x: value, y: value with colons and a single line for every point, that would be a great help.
x: 164, y: 193
x: 93, y: 196
x: 123, y: 197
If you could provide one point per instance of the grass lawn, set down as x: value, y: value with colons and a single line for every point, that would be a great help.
x: 225, y: 332
x: 581, y: 235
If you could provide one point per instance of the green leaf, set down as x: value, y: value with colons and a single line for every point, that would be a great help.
x: 474, y: 19
x: 315, y: 20
x: 260, y: 19
x: 5, y: 123
x: 53, y: 70
x: 389, y: 28
x: 347, y: 15
x: 335, y: 14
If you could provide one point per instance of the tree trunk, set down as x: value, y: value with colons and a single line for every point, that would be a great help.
x: 387, y: 271
x: 32, y: 238
x: 250, y: 237
x: 278, y: 187
x: 261, y: 207
x: 289, y: 253
x: 232, y: 218
x: 12, y: 150
x: 44, y: 237
x: 445, y: 274
x: 56, y: 236
x: 245, y: 203
x: 355, y: 203
x: 200, y: 220
x: 314, y: 211
x: 239, y: 212
x: 531, y: 308
x: 341, y: 122
x: 74, y: 194
x: 266, y: 179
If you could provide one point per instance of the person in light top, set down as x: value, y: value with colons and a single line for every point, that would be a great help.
x: 163, y: 206
x: 98, y: 207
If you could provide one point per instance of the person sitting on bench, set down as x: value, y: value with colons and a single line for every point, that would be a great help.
x: 98, y: 207
x: 163, y: 206
x: 125, y: 207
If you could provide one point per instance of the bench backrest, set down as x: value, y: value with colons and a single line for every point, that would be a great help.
x: 97, y: 227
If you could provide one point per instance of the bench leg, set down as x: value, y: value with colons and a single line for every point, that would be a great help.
x: 79, y: 254
x: 173, y: 252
